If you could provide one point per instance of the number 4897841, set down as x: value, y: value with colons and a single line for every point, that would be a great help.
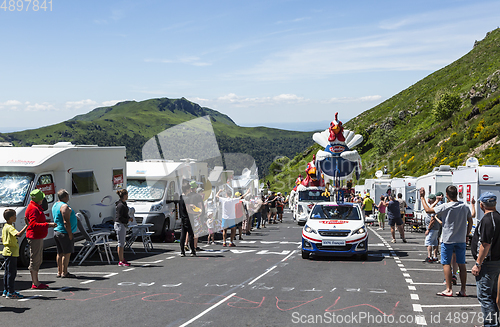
x: 26, y: 5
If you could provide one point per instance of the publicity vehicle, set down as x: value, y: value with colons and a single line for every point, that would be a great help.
x: 335, y: 229
x: 305, y: 200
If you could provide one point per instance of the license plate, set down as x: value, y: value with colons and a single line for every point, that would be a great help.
x: 333, y: 243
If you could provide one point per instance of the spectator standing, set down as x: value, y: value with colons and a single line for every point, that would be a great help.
x: 402, y: 207
x: 37, y: 230
x: 381, y: 212
x: 457, y: 224
x: 66, y: 221
x: 394, y: 217
x: 368, y: 205
x: 280, y: 203
x: 121, y: 221
x: 228, y: 213
x: 485, y: 248
x: 185, y: 208
x: 10, y: 253
x: 271, y: 201
x: 432, y: 227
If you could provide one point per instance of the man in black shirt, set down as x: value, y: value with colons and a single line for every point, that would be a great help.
x: 485, y: 248
x: 185, y: 207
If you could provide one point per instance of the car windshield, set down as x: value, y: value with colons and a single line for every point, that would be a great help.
x: 335, y: 212
x: 14, y: 187
x: 144, y: 190
x: 312, y: 195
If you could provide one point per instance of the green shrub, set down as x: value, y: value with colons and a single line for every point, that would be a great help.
x: 446, y: 106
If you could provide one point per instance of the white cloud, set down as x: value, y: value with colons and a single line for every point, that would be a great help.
x: 9, y: 103
x: 188, y: 60
x: 111, y: 102
x: 80, y: 104
x: 45, y: 106
x: 248, y: 101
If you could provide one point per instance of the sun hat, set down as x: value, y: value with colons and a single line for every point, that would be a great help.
x: 237, y: 194
x: 37, y: 195
x: 193, y: 184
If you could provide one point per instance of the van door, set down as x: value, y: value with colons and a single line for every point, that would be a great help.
x: 45, y: 183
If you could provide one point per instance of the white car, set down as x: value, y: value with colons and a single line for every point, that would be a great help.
x: 335, y: 229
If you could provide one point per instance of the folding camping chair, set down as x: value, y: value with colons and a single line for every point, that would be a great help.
x: 94, y: 241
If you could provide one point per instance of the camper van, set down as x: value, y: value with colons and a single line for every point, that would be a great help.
x: 90, y: 174
x: 154, y: 185
x: 473, y: 180
x: 360, y: 189
x: 435, y: 181
x: 377, y: 187
x: 406, y: 186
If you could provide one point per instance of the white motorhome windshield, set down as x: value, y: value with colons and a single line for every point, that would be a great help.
x: 14, y: 187
x: 143, y: 190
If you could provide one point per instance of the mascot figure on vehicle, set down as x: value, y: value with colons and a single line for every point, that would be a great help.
x: 313, y: 177
x: 338, y: 161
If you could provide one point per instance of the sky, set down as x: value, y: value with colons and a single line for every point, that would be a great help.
x: 287, y: 64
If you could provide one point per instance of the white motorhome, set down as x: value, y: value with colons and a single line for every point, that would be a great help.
x: 307, y: 197
x: 90, y: 174
x: 153, y: 186
x: 406, y: 186
x: 435, y: 181
x: 360, y: 189
x: 377, y: 187
x: 473, y: 180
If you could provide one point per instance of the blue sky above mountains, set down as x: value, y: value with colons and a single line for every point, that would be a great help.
x: 275, y: 63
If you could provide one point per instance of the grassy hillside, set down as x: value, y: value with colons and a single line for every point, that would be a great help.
x: 410, y: 136
x: 132, y: 124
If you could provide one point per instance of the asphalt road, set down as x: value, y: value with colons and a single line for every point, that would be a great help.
x: 261, y: 282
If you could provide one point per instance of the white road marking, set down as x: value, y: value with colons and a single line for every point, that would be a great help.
x: 129, y: 269
x: 110, y: 275
x: 28, y: 298
x: 423, y: 269
x: 208, y: 310
x: 88, y: 281
x: 420, y: 320
x: 169, y: 258
x: 268, y: 271
x: 406, y: 275
x: 409, y: 281
x: 414, y: 296
x: 417, y: 307
x: 412, y: 288
x: 141, y: 263
x: 449, y: 305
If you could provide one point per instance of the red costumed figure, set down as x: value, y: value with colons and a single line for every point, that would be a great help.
x: 336, y: 130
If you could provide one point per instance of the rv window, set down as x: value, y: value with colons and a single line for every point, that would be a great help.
x: 46, y: 184
x: 145, y: 190
x: 171, y: 191
x: 14, y: 188
x: 84, y: 182
x: 117, y: 179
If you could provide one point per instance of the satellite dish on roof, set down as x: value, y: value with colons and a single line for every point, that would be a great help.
x: 379, y: 173
x: 472, y: 162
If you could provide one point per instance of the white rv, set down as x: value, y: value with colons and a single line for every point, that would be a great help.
x: 406, y: 186
x: 435, y: 181
x: 377, y: 187
x: 473, y: 180
x: 90, y: 174
x: 360, y: 189
x: 153, y: 187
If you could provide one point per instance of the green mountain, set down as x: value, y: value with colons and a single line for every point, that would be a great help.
x: 132, y: 124
x: 443, y: 119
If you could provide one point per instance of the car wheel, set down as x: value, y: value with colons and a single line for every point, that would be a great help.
x: 305, y: 255
x: 24, y: 253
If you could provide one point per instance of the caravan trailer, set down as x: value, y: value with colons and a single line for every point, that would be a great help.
x: 90, y: 174
x: 435, y: 181
x: 473, y: 180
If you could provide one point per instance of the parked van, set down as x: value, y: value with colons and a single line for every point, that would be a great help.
x: 377, y: 187
x: 435, y: 181
x: 473, y: 180
x: 90, y: 174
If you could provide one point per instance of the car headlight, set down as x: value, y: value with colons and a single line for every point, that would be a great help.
x: 309, y: 229
x: 156, y: 207
x: 361, y: 230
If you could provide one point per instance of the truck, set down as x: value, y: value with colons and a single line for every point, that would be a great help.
x: 435, y: 181
x: 91, y: 175
x: 472, y: 180
x: 154, y: 186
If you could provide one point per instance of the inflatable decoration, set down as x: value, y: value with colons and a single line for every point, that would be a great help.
x: 338, y: 161
x: 313, y: 177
